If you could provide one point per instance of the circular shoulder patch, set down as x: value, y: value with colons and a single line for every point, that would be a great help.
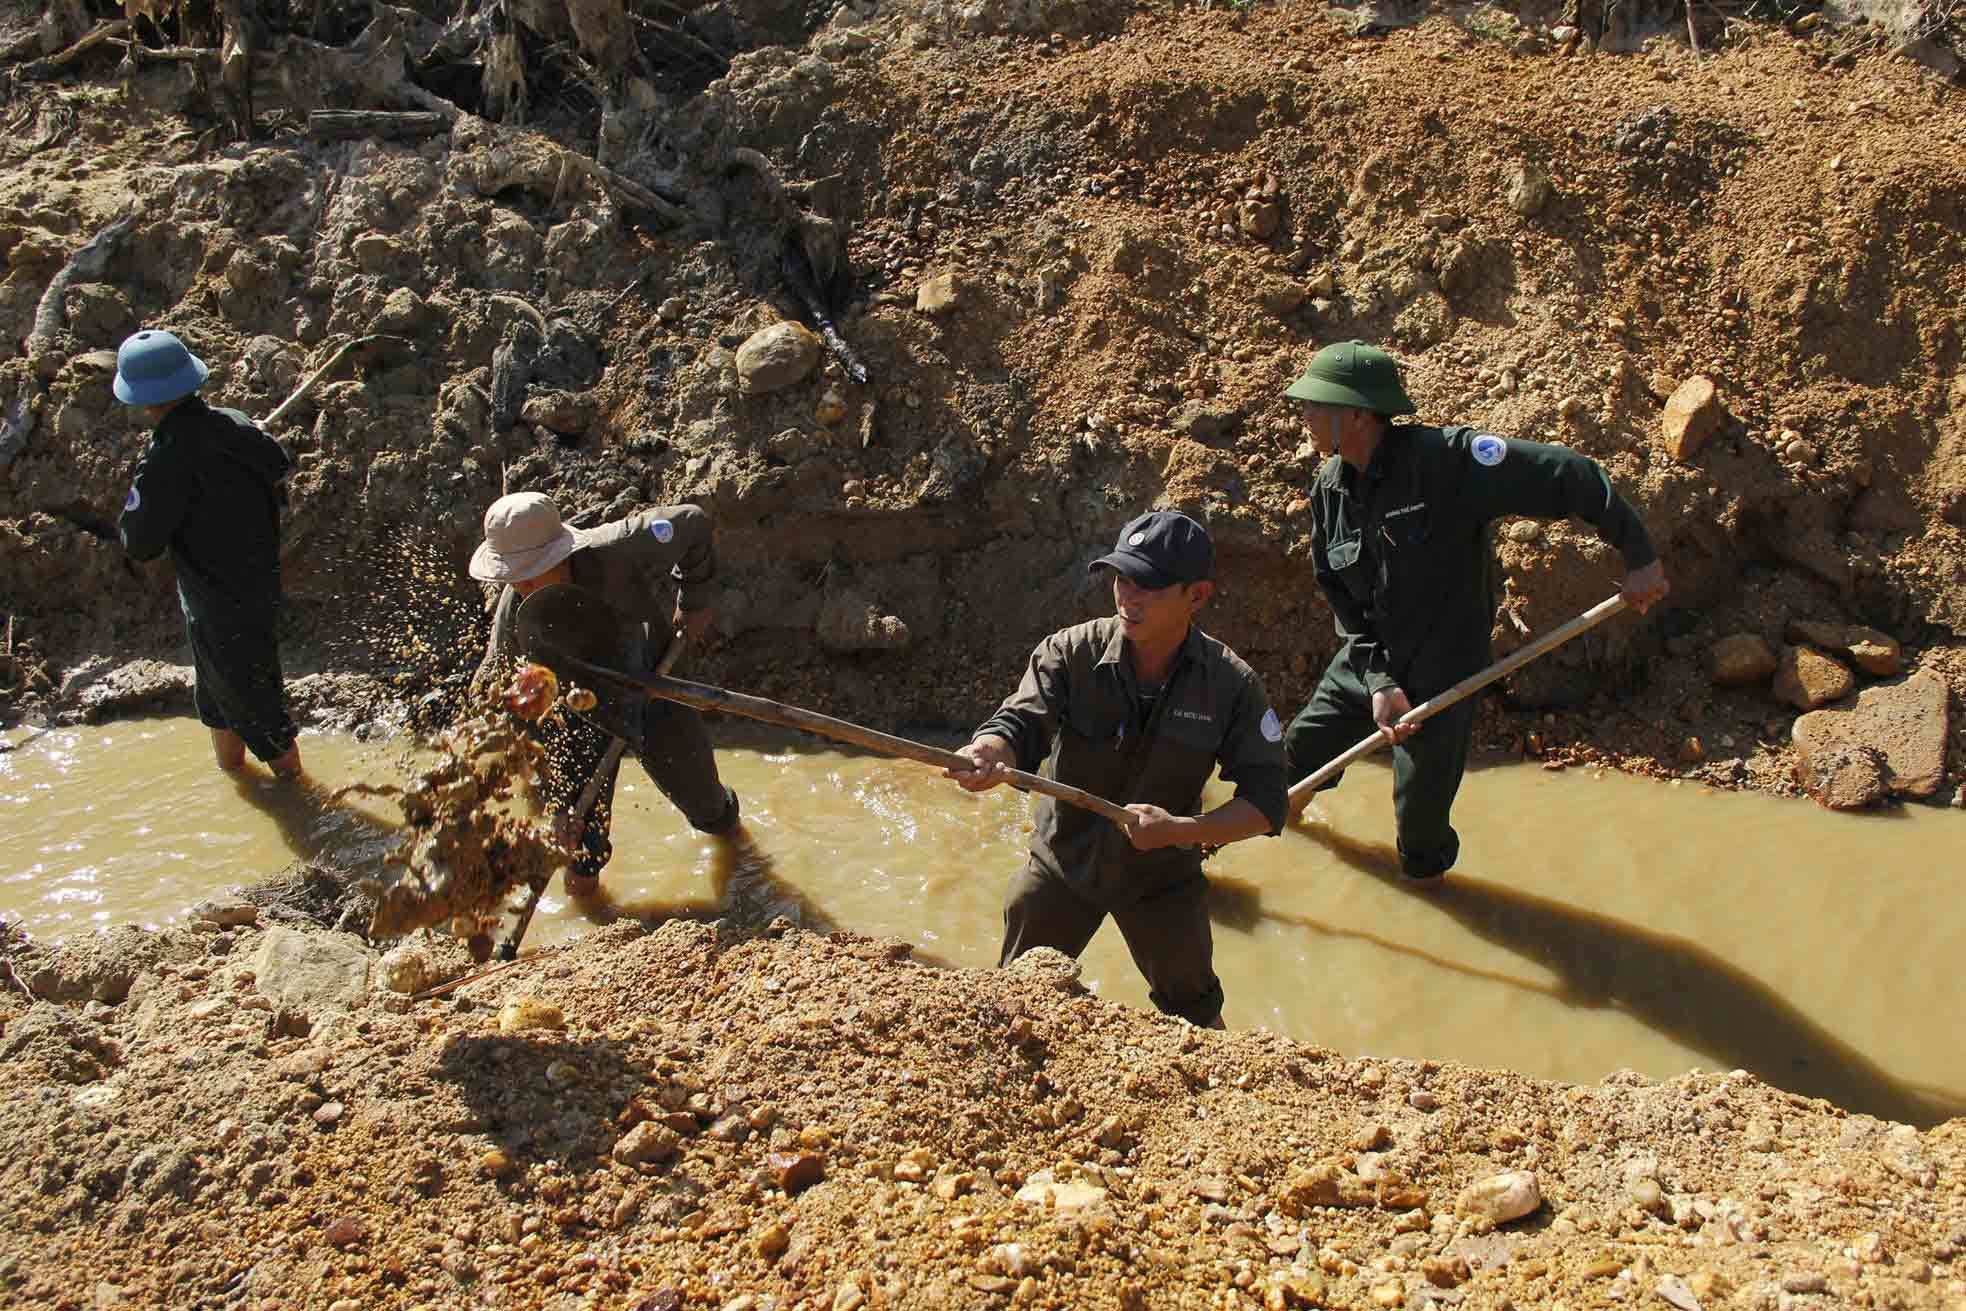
x: 1136, y: 539
x: 133, y: 500
x: 661, y: 529
x: 1272, y: 727
x: 1489, y: 449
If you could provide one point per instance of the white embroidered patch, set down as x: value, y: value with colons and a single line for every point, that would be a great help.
x: 661, y: 530
x: 1272, y: 727
x: 1136, y: 539
x: 1489, y: 449
x: 132, y: 501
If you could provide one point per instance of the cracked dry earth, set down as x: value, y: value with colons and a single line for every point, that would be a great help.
x: 698, y: 1118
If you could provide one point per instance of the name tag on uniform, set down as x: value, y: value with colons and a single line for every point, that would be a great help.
x: 1414, y: 508
x: 1195, y: 715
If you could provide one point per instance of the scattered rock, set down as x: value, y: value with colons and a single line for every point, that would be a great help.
x: 1204, y: 421
x: 772, y: 1241
x: 795, y: 1172
x: 647, y: 1143
x: 939, y: 294
x: 1806, y: 678
x: 1529, y: 190
x: 99, y: 692
x: 1693, y: 415
x: 849, y: 621
x: 1500, y: 1198
x: 403, y: 314
x: 1877, y: 654
x: 672, y: 310
x: 1448, y: 1270
x: 1673, y: 1291
x: 1890, y: 741
x: 1043, y: 1191
x: 328, y: 1114
x: 1740, y: 659
x: 1259, y: 218
x: 776, y: 357
x: 226, y: 912
x: 568, y: 413
x: 523, y: 1013
x: 1804, y: 1284
x: 311, y: 972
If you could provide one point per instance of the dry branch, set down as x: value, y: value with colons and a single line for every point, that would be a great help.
x: 340, y: 124
x: 42, y: 69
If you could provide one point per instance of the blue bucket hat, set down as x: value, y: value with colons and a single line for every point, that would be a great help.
x: 154, y: 368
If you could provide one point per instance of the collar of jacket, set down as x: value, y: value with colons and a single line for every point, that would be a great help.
x: 1115, y: 652
x: 190, y: 410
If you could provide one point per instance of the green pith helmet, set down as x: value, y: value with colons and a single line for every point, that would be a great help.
x: 1354, y: 374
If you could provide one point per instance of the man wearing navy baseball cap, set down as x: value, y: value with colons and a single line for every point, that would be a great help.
x: 1139, y: 707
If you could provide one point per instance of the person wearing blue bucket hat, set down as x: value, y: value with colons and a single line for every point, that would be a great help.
x: 209, y: 490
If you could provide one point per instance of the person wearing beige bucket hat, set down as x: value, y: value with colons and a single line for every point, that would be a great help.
x: 634, y: 563
x: 1400, y: 515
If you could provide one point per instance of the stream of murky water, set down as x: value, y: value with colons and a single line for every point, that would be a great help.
x: 1596, y: 922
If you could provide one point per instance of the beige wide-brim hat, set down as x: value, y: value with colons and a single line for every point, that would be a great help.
x: 523, y: 539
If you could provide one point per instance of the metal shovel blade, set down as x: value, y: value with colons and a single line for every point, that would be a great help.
x: 567, y: 622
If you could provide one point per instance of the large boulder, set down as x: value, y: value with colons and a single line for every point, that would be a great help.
x: 1693, y: 415
x: 774, y: 358
x: 1891, y: 740
x: 1807, y: 679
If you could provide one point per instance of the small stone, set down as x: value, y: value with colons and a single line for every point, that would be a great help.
x: 1804, y: 1284
x: 1877, y: 654
x: 1672, y: 1290
x: 939, y: 294
x: 1529, y: 190
x: 1422, y: 1100
x: 672, y: 310
x: 915, y: 1167
x: 1692, y: 751
x: 776, y: 357
x: 1372, y: 1138
x: 1692, y: 416
x: 1259, y: 219
x: 1389, y: 1293
x: 951, y: 1186
x: 1294, y: 1290
x: 1563, y: 34
x: 497, y: 1163
x: 226, y: 912
x: 1807, y: 679
x: 1446, y: 1271
x: 1501, y: 1198
x: 831, y: 411
x: 850, y: 1297
x: 1013, y: 1259
x: 1647, y: 1195
x: 772, y: 1241
x: 1799, y: 452
x: 345, y: 1232
x: 524, y: 1013
x: 1901, y: 728
x: 796, y: 1171
x: 1060, y: 1196
x: 328, y: 1114
x: 1321, y: 283
x: 647, y: 1142
x: 1740, y: 659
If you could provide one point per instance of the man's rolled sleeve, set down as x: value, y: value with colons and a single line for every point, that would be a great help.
x: 695, y: 566
x: 1028, y: 717
x: 1251, y: 758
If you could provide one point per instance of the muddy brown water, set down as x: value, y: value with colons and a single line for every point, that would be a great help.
x: 1596, y: 922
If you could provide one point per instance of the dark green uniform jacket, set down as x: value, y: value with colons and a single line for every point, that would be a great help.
x: 209, y: 488
x: 1080, y: 692
x: 1401, y: 553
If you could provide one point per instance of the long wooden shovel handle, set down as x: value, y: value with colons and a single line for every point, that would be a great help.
x: 702, y: 696
x: 1300, y: 795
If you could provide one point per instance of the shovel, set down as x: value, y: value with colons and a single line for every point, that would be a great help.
x: 1300, y: 795
x: 584, y: 806
x: 579, y: 636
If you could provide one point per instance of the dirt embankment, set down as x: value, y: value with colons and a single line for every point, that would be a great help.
x: 1149, y: 217
x: 244, y: 1114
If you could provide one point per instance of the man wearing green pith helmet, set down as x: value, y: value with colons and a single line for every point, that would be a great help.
x: 1400, y: 513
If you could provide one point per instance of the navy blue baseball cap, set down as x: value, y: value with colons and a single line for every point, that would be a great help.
x: 1161, y: 548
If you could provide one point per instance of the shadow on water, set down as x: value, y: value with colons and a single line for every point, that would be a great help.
x: 319, y: 827
x: 744, y: 890
x: 1673, y: 986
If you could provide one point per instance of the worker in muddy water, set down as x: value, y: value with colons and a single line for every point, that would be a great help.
x: 1400, y: 513
x: 209, y: 490
x: 1141, y: 707
x: 632, y: 563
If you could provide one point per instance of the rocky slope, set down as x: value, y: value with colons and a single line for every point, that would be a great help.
x: 245, y: 1114
x: 1088, y: 245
